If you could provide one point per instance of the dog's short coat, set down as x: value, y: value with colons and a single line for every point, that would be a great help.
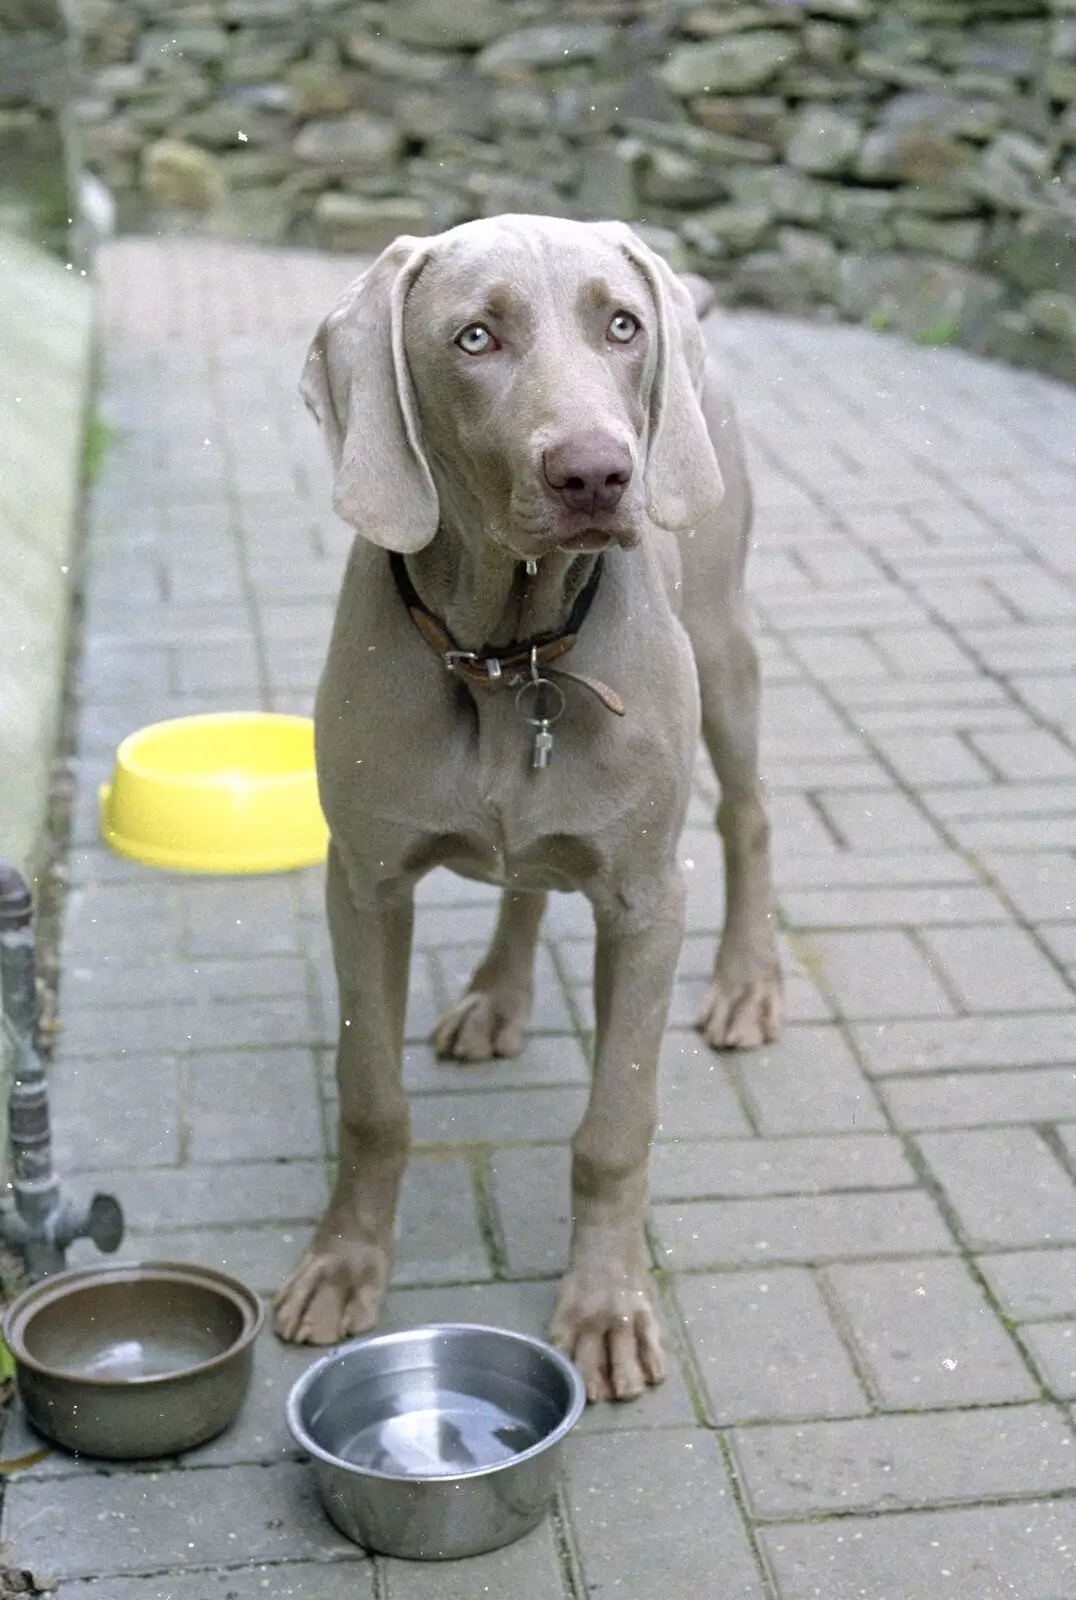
x: 525, y: 389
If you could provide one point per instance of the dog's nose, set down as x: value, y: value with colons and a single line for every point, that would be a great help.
x: 589, y: 472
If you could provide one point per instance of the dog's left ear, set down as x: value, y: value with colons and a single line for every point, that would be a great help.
x: 683, y: 478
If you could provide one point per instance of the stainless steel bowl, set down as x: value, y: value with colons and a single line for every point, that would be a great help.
x: 133, y: 1361
x: 438, y: 1442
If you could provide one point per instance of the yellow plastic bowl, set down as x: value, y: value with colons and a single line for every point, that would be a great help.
x: 227, y: 792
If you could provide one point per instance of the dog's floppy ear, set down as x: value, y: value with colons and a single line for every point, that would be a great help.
x: 358, y: 387
x: 683, y: 479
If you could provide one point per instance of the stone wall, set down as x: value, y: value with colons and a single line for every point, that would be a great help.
x: 35, y: 82
x: 907, y: 163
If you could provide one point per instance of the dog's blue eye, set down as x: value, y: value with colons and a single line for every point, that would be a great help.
x: 476, y: 339
x: 623, y: 328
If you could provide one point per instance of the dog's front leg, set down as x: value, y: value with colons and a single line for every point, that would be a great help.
x: 336, y: 1289
x: 604, y: 1317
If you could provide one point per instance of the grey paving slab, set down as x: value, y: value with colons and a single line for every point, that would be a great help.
x: 805, y: 1228
x: 291, y: 1580
x: 528, y: 1570
x: 1053, y: 1350
x: 1005, y: 1185
x: 926, y: 1335
x: 766, y: 1347
x: 811, y: 1164
x: 256, y: 1104
x: 977, y: 1099
x: 878, y: 973
x: 118, y: 1525
x: 654, y: 1515
x: 1032, y: 1283
x: 997, y: 969
x: 1014, y: 1552
x: 889, y: 1463
x: 1038, y: 1039
x: 808, y: 1082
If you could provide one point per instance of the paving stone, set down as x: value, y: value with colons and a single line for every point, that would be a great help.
x: 997, y: 969
x: 874, y: 908
x: 878, y: 821
x: 946, y: 1042
x: 1032, y: 1283
x: 1042, y: 886
x: 884, y: 1463
x: 927, y: 758
x: 527, y: 1570
x: 879, y: 869
x: 876, y: 974
x: 261, y: 1104
x: 926, y: 1334
x: 1004, y: 1185
x: 977, y: 1099
x: 622, y: 1486
x: 1015, y: 1552
x: 197, y: 1025
x: 808, y: 1082
x: 1033, y: 754
x: 497, y: 1116
x: 293, y: 1580
x: 1053, y: 1347
x: 738, y: 1168
x: 532, y: 1191
x: 137, y: 1522
x: 808, y: 1228
x: 766, y: 1347
x: 547, y: 1061
x: 93, y: 984
x: 695, y: 1092
x: 236, y: 1192
x: 107, y: 1115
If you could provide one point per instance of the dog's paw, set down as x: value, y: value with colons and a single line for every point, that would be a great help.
x: 741, y: 1015
x: 480, y: 1026
x: 332, y: 1295
x: 610, y: 1330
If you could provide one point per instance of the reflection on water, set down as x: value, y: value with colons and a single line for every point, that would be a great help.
x: 456, y: 1435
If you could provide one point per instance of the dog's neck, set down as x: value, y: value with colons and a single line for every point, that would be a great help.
x: 484, y: 595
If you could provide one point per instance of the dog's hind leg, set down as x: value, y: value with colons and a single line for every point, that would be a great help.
x: 488, y: 1020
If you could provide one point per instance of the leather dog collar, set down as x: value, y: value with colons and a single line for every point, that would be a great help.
x: 513, y: 664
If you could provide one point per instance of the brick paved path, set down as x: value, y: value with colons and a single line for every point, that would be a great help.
x: 865, y: 1237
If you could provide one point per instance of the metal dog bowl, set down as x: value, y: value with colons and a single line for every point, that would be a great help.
x: 440, y: 1442
x: 137, y: 1360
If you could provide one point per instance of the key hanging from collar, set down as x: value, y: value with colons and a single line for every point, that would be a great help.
x: 545, y: 700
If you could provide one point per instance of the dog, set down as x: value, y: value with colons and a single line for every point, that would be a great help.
x: 549, y: 486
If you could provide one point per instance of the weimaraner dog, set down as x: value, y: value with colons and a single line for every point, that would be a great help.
x: 550, y: 490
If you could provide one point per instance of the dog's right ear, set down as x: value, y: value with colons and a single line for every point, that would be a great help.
x: 357, y: 385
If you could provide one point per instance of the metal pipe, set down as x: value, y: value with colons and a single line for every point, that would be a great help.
x: 44, y: 1222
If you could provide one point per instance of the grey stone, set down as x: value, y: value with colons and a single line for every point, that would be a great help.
x: 1053, y: 313
x: 349, y: 222
x: 798, y: 1164
x: 763, y: 120
x: 927, y: 1336
x: 933, y: 300
x: 996, y: 969
x: 767, y: 1347
x: 178, y: 174
x: 666, y: 243
x: 527, y: 1570
x: 1041, y: 254
x: 669, y: 178
x: 516, y: 54
x: 320, y: 90
x: 355, y: 143
x: 293, y: 1580
x: 395, y: 62
x: 609, y: 186
x: 912, y: 154
x: 727, y: 228
x: 861, y: 218
x: 736, y: 63
x: 822, y: 140
x: 885, y: 1463
x: 960, y: 241
x: 1010, y: 337
x: 466, y: 24
x: 1053, y: 1347
x: 792, y: 196
x: 967, y: 1100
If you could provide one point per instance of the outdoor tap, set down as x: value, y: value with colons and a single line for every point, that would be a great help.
x: 43, y: 1221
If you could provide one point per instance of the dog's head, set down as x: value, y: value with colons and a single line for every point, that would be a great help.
x: 540, y: 376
